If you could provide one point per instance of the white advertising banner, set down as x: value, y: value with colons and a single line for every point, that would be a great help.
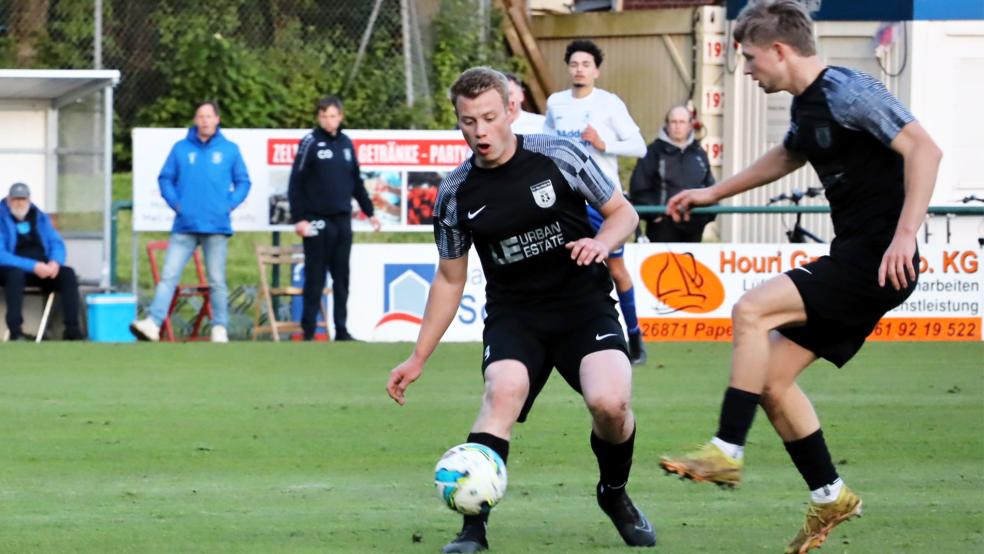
x: 401, y: 170
x: 684, y: 292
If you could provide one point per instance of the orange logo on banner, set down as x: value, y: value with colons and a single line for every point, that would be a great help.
x: 682, y: 283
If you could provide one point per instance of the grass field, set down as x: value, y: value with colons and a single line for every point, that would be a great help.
x: 256, y: 447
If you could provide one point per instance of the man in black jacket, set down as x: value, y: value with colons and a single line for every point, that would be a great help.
x: 673, y: 162
x: 323, y: 181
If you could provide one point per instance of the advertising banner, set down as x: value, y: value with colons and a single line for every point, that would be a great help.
x: 684, y: 292
x: 401, y: 170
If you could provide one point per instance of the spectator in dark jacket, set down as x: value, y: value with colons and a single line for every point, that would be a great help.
x: 324, y: 180
x: 32, y: 253
x: 673, y: 162
x: 203, y: 179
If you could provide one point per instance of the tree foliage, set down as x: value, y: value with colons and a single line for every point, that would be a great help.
x: 266, y: 63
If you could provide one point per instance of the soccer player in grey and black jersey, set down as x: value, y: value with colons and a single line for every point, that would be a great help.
x: 520, y: 201
x: 878, y: 168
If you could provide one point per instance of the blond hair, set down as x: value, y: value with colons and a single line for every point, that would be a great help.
x: 475, y: 81
x: 787, y: 21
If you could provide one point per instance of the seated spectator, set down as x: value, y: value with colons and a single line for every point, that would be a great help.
x: 32, y: 253
x: 673, y: 162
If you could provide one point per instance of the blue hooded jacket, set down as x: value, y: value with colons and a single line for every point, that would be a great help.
x: 203, y: 182
x: 54, y: 247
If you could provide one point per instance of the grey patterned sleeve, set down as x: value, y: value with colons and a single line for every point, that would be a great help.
x: 860, y: 102
x: 452, y: 241
x: 581, y: 171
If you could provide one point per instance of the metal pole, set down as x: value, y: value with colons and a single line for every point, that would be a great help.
x: 407, y: 58
x: 97, y: 36
x: 363, y: 43
x: 107, y: 167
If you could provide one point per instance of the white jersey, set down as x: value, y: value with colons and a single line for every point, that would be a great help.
x: 567, y: 116
x: 528, y: 123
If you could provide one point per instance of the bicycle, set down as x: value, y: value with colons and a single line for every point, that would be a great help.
x: 798, y: 234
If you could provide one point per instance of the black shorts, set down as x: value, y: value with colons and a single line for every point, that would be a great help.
x: 542, y: 339
x: 843, y: 304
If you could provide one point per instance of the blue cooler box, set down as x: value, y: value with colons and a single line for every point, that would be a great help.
x: 110, y: 316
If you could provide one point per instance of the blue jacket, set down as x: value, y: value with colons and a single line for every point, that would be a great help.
x: 54, y: 247
x: 203, y: 182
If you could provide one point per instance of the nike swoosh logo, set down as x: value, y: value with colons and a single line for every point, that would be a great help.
x: 648, y: 527
x: 603, y: 337
x: 473, y: 215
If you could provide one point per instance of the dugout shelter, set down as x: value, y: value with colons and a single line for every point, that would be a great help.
x: 56, y: 135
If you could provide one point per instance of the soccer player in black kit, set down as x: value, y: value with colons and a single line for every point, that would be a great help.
x: 520, y: 200
x: 878, y: 168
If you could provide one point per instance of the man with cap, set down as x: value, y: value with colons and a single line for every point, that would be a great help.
x: 32, y: 253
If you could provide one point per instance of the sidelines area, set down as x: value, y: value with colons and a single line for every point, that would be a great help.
x: 296, y: 448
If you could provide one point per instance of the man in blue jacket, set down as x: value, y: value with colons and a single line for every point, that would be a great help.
x: 203, y: 180
x: 32, y: 254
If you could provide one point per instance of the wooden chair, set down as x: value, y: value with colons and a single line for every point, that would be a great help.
x: 268, y: 257
x: 201, y: 290
x: 49, y: 299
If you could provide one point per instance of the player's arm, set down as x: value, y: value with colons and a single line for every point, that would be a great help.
x: 621, y: 220
x: 922, y: 161
x: 773, y: 165
x: 629, y: 141
x: 442, y: 304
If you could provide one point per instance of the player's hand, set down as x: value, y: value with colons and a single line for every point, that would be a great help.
x: 301, y: 227
x: 896, y: 264
x: 53, y: 269
x: 42, y: 270
x: 401, y: 377
x: 591, y: 135
x: 374, y: 222
x: 587, y: 251
x: 678, y: 208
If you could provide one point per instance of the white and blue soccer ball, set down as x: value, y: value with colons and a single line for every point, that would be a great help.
x: 470, y: 478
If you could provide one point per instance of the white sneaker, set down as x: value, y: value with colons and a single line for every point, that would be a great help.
x: 146, y: 329
x: 219, y: 334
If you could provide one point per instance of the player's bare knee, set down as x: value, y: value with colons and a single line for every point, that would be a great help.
x: 505, y: 393
x: 746, y: 315
x: 609, y: 412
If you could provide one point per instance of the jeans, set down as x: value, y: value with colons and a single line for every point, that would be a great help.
x: 180, y: 248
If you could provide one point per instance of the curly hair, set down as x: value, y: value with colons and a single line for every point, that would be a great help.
x: 584, y: 45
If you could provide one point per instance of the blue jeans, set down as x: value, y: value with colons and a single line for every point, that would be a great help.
x: 180, y: 248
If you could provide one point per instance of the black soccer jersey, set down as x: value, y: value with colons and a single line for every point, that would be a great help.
x: 520, y: 215
x: 843, y: 124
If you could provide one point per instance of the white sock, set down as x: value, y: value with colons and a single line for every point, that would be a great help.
x: 827, y: 493
x: 730, y: 450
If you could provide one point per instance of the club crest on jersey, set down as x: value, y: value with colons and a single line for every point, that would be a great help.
x: 216, y: 157
x: 823, y: 137
x: 543, y: 194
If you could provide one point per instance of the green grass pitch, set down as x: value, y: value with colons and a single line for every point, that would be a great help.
x: 257, y: 447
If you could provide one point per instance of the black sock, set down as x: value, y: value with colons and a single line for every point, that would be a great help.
x: 614, y: 460
x: 499, y: 446
x: 812, y: 459
x: 737, y: 413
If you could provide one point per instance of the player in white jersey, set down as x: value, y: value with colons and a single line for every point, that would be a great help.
x: 524, y: 122
x: 600, y: 121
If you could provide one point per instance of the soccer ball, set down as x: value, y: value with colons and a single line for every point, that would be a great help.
x: 470, y: 478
